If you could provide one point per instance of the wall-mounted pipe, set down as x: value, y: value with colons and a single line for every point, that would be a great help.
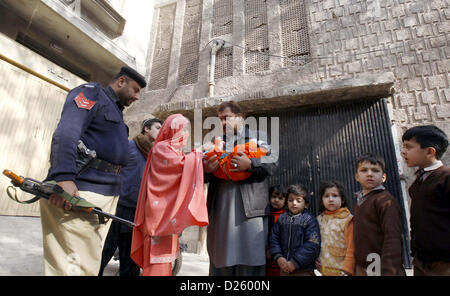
x: 215, y: 46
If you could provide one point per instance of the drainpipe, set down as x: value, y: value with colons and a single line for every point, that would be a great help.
x: 215, y: 46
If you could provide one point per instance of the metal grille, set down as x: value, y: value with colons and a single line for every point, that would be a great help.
x: 224, y: 63
x: 161, y: 55
x: 294, y: 32
x: 222, y: 18
x: 189, y: 57
x: 256, y: 36
x: 323, y: 143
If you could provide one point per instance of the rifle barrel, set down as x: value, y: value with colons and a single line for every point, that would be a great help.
x: 107, y: 215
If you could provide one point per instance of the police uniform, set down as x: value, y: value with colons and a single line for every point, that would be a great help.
x: 73, y: 241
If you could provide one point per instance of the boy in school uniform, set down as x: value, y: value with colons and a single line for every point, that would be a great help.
x: 423, y: 147
x: 377, y: 222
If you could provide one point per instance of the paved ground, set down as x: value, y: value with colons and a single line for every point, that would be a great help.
x: 21, y: 251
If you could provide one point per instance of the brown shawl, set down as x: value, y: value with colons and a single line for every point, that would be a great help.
x: 143, y: 144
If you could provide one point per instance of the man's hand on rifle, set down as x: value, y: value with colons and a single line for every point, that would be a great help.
x: 58, y: 201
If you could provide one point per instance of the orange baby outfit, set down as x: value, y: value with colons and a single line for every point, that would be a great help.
x: 337, y: 247
x: 171, y: 198
x: 250, y: 149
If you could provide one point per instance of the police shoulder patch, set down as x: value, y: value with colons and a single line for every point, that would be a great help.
x: 84, y: 103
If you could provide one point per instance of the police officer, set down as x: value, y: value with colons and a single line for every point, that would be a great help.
x: 73, y: 241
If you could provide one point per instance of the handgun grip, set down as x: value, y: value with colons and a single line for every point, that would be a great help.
x: 15, y: 179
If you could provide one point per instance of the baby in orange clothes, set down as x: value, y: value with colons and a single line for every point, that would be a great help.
x: 250, y: 149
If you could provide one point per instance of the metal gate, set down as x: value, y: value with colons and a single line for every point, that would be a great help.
x: 323, y: 143
x: 31, y: 100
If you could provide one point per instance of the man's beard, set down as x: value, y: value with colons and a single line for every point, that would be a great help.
x: 125, y: 98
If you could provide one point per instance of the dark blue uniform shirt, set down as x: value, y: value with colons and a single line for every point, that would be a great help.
x: 101, y: 127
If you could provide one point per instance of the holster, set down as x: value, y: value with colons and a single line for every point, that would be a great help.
x: 87, y: 158
x: 84, y: 158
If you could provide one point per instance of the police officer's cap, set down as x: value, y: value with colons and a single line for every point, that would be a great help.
x: 133, y: 74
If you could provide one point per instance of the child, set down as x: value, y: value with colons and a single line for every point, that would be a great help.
x: 277, y: 207
x: 423, y: 147
x: 377, y: 222
x: 336, y: 231
x: 295, y: 238
x: 225, y: 171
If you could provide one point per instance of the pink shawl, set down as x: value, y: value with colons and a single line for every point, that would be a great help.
x: 171, y: 195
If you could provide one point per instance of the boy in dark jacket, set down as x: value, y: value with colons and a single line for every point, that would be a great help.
x: 423, y: 147
x: 295, y: 238
x: 377, y: 222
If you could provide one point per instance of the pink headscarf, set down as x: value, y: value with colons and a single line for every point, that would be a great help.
x: 171, y: 195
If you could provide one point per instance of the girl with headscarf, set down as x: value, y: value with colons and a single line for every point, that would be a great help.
x: 171, y: 198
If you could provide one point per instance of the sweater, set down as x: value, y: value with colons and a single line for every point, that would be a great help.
x: 430, y: 216
x: 378, y: 229
x: 337, y: 249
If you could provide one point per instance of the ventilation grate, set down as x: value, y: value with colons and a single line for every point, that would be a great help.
x: 294, y: 32
x: 223, y: 25
x: 256, y: 36
x: 161, y: 56
x: 222, y: 18
x: 224, y: 63
x: 189, y: 56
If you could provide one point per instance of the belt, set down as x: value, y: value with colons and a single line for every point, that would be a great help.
x: 105, y: 166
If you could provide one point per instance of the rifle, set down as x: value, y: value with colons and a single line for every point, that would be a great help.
x: 46, y: 189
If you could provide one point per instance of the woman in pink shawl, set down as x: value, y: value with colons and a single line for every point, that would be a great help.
x: 171, y: 198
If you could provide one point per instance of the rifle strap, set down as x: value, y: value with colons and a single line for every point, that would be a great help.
x: 14, y: 197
